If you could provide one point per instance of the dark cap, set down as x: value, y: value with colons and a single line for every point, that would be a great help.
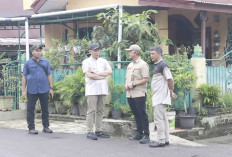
x: 35, y: 47
x: 94, y: 46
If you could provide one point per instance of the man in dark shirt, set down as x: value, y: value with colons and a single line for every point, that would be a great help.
x: 38, y: 79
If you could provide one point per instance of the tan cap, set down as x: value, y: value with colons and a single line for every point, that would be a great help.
x: 134, y: 47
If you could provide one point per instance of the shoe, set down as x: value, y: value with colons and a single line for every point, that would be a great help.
x: 101, y: 134
x: 136, y: 137
x: 156, y: 144
x: 167, y: 143
x: 32, y: 131
x: 145, y: 140
x: 91, y: 136
x: 47, y: 130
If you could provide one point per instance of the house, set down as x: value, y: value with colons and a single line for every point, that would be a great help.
x: 185, y: 22
x: 9, y: 32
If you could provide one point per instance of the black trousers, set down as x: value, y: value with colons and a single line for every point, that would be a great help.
x: 138, y: 108
x: 31, y: 102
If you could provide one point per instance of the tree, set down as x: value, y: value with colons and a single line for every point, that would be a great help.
x: 137, y: 29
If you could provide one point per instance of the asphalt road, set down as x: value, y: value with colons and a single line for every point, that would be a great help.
x: 17, y: 143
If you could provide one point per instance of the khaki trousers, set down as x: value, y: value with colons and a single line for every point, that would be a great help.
x: 161, y: 122
x: 95, y: 112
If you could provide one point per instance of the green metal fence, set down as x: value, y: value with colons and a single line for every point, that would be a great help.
x: 12, y: 81
x: 219, y: 72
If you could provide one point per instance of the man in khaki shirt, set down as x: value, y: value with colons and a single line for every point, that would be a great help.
x: 137, y: 77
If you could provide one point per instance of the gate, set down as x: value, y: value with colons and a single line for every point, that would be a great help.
x: 12, y: 81
x: 219, y: 72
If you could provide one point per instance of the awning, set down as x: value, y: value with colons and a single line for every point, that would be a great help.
x: 15, y: 41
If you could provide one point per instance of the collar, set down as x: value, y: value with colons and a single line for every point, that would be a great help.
x: 159, y: 61
x: 91, y: 57
x: 137, y: 60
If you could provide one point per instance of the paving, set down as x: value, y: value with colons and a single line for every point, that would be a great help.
x: 79, y: 127
x: 69, y: 140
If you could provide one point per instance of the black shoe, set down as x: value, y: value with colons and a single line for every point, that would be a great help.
x: 91, y: 136
x: 145, y: 140
x: 32, y: 131
x: 136, y: 137
x: 47, y: 130
x: 101, y: 134
x: 167, y: 143
x: 156, y: 144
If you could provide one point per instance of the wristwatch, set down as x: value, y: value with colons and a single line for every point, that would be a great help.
x: 51, y: 88
x: 134, y: 84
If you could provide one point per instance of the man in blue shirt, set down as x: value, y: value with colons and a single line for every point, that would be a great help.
x: 38, y: 80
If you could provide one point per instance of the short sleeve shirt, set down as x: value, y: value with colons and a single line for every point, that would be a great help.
x: 137, y: 71
x: 95, y: 87
x: 159, y: 84
x: 37, y: 79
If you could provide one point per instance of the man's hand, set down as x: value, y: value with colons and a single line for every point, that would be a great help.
x: 126, y: 88
x: 24, y: 95
x: 129, y: 85
x: 51, y: 93
x: 173, y: 95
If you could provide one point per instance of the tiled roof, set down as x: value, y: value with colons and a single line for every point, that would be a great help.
x: 13, y: 8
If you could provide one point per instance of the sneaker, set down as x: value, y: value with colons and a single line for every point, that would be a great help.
x: 101, y: 134
x: 157, y: 144
x: 145, y: 139
x: 32, y: 131
x: 91, y: 136
x: 136, y: 137
x: 47, y: 130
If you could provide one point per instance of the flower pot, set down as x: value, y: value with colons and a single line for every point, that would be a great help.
x: 211, y: 110
x: 171, y: 119
x: 82, y: 107
x: 186, y: 121
x: 75, y: 110
x: 116, y: 114
x: 192, y: 111
x: 6, y: 103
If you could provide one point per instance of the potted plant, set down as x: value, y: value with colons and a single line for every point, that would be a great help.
x: 116, y: 112
x: 210, y: 96
x: 116, y: 92
x: 71, y: 91
x: 185, y: 80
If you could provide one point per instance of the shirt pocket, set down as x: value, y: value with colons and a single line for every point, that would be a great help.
x: 32, y: 69
x: 136, y: 75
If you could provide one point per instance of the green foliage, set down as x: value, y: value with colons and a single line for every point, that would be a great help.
x: 72, y: 88
x: 125, y: 109
x: 227, y: 99
x: 149, y: 107
x: 183, y: 74
x: 209, y: 94
x: 81, y: 45
x: 203, y: 111
x: 136, y: 29
x: 3, y: 58
x: 116, y: 104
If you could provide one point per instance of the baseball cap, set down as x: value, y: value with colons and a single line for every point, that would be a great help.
x: 35, y: 47
x: 94, y: 46
x: 134, y: 47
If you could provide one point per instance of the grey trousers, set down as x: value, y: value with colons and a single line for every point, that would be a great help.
x: 161, y: 122
x: 95, y: 112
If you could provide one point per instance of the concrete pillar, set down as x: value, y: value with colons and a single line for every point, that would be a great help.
x: 162, y: 20
x: 199, y: 64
